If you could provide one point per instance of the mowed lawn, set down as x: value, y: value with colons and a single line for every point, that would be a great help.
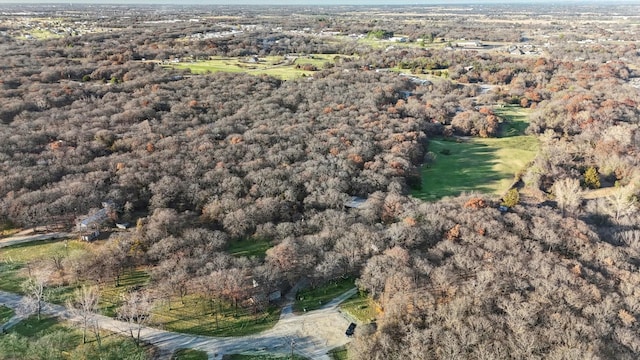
x: 486, y: 165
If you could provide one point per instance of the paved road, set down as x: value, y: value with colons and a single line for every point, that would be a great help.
x: 312, y: 334
x: 18, y: 239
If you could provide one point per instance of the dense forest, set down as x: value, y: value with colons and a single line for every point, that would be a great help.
x: 198, y: 162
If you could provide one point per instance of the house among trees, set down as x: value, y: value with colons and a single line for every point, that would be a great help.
x: 90, y: 225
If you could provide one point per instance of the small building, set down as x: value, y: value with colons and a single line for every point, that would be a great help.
x: 95, y: 221
x: 123, y: 226
x: 90, y: 236
x: 356, y: 202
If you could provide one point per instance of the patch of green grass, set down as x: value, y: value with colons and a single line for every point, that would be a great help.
x: 276, y: 66
x: 483, y: 165
x: 199, y: 316
x: 516, y: 120
x: 41, y: 34
x: 312, y: 299
x: 5, y: 314
x: 32, y: 327
x: 39, y: 250
x: 361, y: 308
x: 189, y: 354
x: 60, y: 294
x: 339, y: 353
x: 249, y: 247
x: 262, y: 357
x: 111, y: 295
x: 11, y: 279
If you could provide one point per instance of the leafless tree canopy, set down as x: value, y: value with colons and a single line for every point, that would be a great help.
x: 198, y: 163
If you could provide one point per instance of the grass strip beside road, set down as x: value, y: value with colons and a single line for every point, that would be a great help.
x: 5, y: 314
x: 315, y: 298
x: 361, y: 308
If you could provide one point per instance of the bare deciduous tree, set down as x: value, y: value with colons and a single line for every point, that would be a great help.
x: 568, y: 194
x: 35, y: 290
x: 84, y: 304
x: 621, y: 202
x: 136, y: 312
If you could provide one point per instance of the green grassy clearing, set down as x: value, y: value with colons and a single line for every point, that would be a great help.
x: 486, y: 165
x: 361, y: 308
x: 40, y: 34
x: 196, y: 315
x: 262, y: 357
x: 13, y: 259
x: 339, y: 353
x: 5, y: 314
x: 249, y: 247
x: 39, y: 250
x: 276, y: 66
x: 189, y: 354
x: 312, y: 299
x: 49, y: 338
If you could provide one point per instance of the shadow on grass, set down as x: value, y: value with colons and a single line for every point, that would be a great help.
x: 515, y: 120
x: 198, y: 316
x: 458, y: 167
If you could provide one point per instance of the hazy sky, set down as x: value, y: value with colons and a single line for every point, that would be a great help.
x: 309, y: 2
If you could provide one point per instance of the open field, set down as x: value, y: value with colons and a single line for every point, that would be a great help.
x: 486, y: 165
x: 276, y: 66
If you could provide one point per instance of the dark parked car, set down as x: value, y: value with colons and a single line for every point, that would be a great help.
x: 350, y: 329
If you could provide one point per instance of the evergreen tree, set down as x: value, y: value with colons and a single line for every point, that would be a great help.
x: 591, y: 178
x: 512, y: 198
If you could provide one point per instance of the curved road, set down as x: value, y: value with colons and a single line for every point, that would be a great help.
x: 312, y: 334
